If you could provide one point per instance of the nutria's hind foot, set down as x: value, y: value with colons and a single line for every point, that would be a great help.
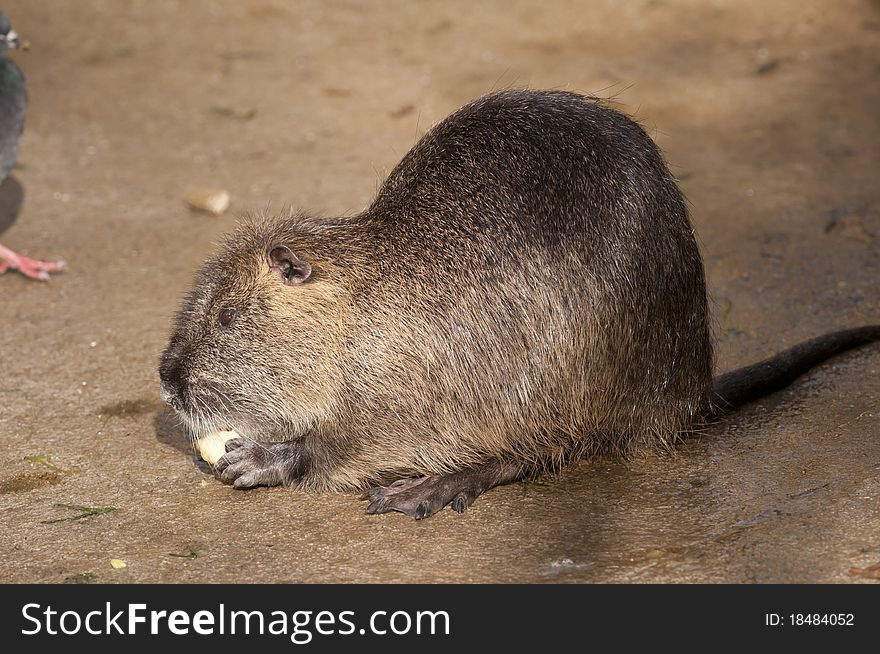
x: 422, y: 497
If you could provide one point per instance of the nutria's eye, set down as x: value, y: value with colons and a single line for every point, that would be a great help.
x: 227, y: 316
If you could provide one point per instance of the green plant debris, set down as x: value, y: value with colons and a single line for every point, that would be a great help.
x: 229, y: 112
x: 85, y: 512
x: 191, y: 554
x: 82, y: 578
x: 43, y: 460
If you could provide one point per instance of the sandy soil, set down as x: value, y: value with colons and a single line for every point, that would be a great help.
x: 767, y: 111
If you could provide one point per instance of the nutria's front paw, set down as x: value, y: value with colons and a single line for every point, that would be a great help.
x: 247, y: 464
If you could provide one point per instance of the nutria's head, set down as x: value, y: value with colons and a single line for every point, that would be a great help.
x: 254, y: 346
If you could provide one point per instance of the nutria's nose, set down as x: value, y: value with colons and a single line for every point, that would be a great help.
x: 173, y: 377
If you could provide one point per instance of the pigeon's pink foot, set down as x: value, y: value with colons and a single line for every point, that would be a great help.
x: 28, y: 267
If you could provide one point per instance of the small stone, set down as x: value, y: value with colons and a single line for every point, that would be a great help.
x: 116, y: 564
x: 210, y: 200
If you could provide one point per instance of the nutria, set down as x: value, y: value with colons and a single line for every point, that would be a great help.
x: 525, y: 289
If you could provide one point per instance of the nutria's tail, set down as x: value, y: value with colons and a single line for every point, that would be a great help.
x: 733, y: 389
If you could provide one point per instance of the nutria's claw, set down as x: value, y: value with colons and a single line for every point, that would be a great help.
x: 462, y: 501
x: 234, y: 444
x: 234, y: 454
x: 379, y: 506
x: 392, y: 489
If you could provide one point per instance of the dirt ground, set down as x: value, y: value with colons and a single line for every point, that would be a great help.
x: 767, y: 112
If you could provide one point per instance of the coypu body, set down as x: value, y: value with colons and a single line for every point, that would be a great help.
x: 524, y: 290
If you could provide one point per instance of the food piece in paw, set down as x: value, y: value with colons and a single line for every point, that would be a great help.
x: 212, y: 446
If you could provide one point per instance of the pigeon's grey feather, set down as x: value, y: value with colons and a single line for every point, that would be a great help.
x: 13, y: 104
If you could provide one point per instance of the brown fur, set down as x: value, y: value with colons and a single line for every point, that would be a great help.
x: 438, y: 332
x: 526, y: 287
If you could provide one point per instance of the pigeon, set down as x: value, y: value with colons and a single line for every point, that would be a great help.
x: 13, y: 103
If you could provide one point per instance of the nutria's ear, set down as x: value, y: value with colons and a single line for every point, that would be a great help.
x: 290, y: 267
